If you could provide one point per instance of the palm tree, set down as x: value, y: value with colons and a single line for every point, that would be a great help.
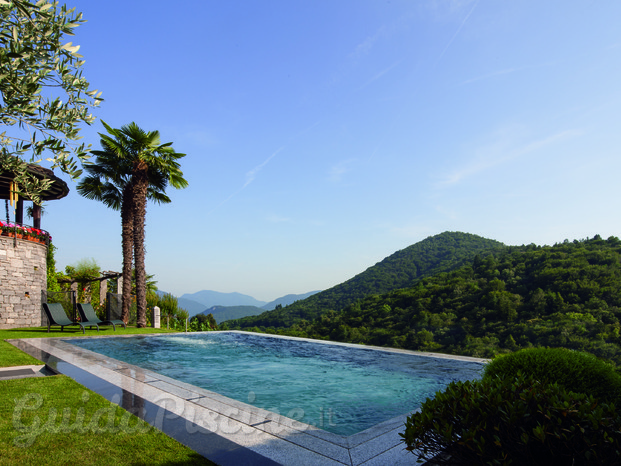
x: 148, y: 158
x: 108, y: 182
x: 113, y: 180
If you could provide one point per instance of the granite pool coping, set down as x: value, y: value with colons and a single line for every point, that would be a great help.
x: 224, y: 430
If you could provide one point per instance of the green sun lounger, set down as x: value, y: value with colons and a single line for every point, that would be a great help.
x: 88, y: 313
x: 56, y: 316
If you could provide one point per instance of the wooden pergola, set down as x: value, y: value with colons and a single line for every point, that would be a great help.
x: 57, y: 190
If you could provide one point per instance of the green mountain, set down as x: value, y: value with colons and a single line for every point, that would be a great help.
x: 566, y: 295
x: 441, y: 253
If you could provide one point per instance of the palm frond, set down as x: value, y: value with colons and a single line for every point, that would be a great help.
x: 113, y: 168
x: 158, y: 197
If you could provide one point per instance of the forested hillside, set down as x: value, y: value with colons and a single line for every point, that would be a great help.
x: 441, y: 253
x: 567, y: 295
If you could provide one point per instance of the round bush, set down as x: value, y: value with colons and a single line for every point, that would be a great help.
x: 576, y: 371
x: 515, y: 421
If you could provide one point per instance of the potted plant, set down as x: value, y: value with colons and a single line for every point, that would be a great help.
x: 11, y: 230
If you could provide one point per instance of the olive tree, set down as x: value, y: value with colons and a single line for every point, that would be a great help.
x: 44, y: 99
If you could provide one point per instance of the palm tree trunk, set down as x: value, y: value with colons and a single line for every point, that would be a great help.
x: 127, y: 220
x: 140, y: 186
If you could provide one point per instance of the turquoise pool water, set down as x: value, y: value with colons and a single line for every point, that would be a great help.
x: 340, y: 389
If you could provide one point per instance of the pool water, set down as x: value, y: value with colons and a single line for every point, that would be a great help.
x: 340, y: 389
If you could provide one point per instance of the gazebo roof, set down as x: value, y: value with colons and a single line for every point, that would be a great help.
x: 57, y: 190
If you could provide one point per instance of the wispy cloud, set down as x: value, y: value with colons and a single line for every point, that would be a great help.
x: 501, y: 151
x: 337, y: 171
x: 274, y: 218
x: 358, y: 54
x: 376, y: 150
x: 379, y: 75
x: 304, y: 131
x: 457, y: 32
x: 250, y: 177
x: 252, y: 174
x: 365, y: 47
x: 225, y: 201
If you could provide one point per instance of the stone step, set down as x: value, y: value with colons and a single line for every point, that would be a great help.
x: 21, y: 372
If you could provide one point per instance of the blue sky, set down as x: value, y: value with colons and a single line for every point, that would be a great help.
x: 324, y: 135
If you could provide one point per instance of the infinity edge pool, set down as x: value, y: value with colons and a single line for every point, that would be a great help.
x: 224, y: 430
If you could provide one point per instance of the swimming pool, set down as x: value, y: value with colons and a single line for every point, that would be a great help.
x: 340, y: 389
x: 227, y: 431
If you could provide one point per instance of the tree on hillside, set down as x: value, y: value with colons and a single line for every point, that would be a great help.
x: 108, y: 181
x: 43, y: 95
x: 144, y: 167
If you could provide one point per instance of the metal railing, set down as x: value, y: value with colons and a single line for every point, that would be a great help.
x: 114, y: 307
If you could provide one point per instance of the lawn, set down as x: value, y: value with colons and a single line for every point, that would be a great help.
x: 55, y: 420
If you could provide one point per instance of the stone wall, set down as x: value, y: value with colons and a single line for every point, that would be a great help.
x: 23, y: 278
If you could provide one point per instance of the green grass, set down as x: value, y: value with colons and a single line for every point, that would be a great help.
x: 11, y: 356
x: 117, y: 438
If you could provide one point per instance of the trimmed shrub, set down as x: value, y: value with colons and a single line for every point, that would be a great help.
x: 515, y: 421
x: 576, y: 371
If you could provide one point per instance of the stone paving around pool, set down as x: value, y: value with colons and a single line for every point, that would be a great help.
x: 226, y: 431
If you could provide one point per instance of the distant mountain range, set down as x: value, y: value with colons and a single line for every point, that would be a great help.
x: 222, y: 313
x: 209, y: 298
x: 236, y: 305
x: 192, y: 307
